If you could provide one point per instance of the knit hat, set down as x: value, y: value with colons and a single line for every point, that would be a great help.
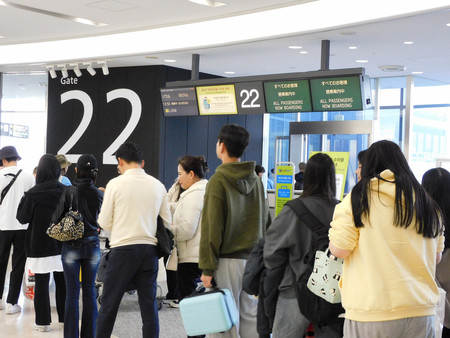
x: 63, y: 162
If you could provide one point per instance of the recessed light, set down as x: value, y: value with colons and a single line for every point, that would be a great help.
x: 352, y: 47
x: 170, y: 61
x: 2, y: 37
x: 228, y: 72
x: 295, y: 47
x: 303, y: 52
x: 392, y: 68
x: 408, y: 43
x: 362, y: 61
x: 448, y: 24
x: 209, y: 3
x: 416, y: 73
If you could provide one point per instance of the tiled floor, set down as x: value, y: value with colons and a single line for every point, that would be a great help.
x: 128, y: 323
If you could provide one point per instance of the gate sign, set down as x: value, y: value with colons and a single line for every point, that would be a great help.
x: 250, y: 98
x: 284, y: 184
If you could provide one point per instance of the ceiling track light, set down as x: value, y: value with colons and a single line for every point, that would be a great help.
x: 52, y: 71
x: 64, y: 72
x: 105, y: 69
x: 77, y: 71
x: 91, y: 70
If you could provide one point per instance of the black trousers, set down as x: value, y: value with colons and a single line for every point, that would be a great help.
x: 42, y: 298
x: 172, y: 284
x: 188, y: 274
x: 16, y: 239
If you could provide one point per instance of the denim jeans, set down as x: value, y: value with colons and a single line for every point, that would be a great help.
x: 85, y: 254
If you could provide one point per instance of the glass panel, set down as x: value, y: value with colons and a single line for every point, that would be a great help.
x: 24, y: 92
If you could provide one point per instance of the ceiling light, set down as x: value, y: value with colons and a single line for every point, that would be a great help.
x: 295, y: 47
x: 64, y: 72
x: 209, y: 3
x: 170, y: 61
x: 105, y: 69
x: 91, y: 70
x: 392, y: 68
x: 352, y: 47
x: 230, y: 72
x: 2, y: 37
x: 77, y: 70
x: 303, y: 52
x: 362, y: 61
x: 416, y: 73
x: 448, y: 25
x: 52, y: 72
x: 408, y: 43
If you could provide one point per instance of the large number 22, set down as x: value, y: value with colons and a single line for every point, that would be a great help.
x: 136, y: 110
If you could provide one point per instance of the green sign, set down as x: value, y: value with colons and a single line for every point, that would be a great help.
x: 336, y: 93
x: 284, y: 184
x: 288, y: 96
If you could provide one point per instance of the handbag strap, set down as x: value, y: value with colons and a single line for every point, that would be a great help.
x: 73, y: 197
x: 6, y: 189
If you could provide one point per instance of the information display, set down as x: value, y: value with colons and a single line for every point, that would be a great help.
x: 284, y: 184
x: 336, y: 93
x: 179, y: 101
x: 288, y: 96
x: 250, y: 98
x: 216, y: 100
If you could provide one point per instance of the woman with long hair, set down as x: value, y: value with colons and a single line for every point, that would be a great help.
x: 82, y: 253
x: 289, y: 239
x: 436, y: 182
x: 388, y: 230
x: 43, y: 253
x: 186, y: 222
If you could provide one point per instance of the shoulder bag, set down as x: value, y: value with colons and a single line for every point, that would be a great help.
x: 71, y: 226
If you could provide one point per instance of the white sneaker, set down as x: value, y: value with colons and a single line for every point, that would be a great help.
x: 1, y: 305
x: 175, y: 304
x: 12, y: 309
x: 41, y: 328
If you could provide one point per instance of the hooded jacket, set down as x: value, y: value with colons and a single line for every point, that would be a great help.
x: 390, y: 272
x: 235, y: 214
x: 186, y: 222
x: 36, y: 208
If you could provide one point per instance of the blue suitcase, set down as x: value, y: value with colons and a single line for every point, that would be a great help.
x: 208, y: 312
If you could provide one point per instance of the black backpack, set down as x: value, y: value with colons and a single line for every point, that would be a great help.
x: 314, y: 308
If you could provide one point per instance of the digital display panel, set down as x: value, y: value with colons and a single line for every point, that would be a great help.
x: 288, y: 96
x: 336, y: 93
x: 179, y: 101
x: 217, y: 100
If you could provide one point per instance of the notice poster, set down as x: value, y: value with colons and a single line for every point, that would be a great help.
x: 284, y: 184
x: 340, y: 160
x: 216, y: 100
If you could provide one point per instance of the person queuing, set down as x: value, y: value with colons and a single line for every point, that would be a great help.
x: 83, y: 253
x: 289, y: 240
x: 13, y: 183
x: 389, y: 232
x: 130, y: 208
x: 186, y: 222
x: 436, y: 182
x: 235, y: 217
x: 43, y: 252
x: 361, y: 155
x: 65, y: 164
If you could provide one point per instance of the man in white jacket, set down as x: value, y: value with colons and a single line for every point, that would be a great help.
x: 130, y: 208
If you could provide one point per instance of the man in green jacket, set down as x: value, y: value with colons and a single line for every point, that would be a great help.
x: 235, y: 217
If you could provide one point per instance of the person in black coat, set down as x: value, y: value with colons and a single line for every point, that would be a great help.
x: 43, y: 253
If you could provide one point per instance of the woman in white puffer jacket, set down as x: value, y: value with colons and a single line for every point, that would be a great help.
x: 187, y: 219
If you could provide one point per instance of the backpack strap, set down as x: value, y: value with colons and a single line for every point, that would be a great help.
x: 6, y: 189
x: 318, y: 228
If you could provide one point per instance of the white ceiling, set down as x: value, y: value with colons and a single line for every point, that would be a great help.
x: 379, y: 41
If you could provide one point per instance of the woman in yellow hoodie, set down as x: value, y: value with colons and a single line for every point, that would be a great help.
x: 389, y: 232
